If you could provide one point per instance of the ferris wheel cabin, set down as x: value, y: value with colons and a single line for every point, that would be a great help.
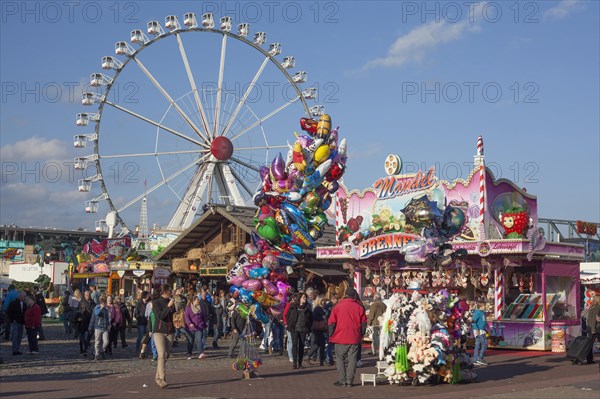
x: 243, y: 29
x: 288, y: 62
x: 171, y: 22
x: 226, y: 23
x: 91, y: 206
x: 154, y: 28
x: 260, y: 38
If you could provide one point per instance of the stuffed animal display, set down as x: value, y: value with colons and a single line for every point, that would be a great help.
x: 420, y: 339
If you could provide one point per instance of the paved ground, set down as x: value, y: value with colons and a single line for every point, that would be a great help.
x: 60, y: 372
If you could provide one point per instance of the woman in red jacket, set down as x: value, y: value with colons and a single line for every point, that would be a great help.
x: 33, y: 321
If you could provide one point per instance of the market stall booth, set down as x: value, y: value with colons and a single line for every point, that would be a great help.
x: 477, y: 238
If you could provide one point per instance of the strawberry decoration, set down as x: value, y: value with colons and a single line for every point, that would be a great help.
x: 515, y: 222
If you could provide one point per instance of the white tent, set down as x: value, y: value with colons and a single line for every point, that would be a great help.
x: 589, y: 272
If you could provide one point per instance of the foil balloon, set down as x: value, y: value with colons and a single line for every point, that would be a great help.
x: 242, y: 309
x: 258, y: 273
x: 270, y: 261
x: 252, y: 285
x: 291, y: 199
x: 269, y: 287
x: 237, y: 280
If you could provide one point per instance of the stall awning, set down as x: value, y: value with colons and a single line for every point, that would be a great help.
x: 327, y: 272
x: 89, y: 275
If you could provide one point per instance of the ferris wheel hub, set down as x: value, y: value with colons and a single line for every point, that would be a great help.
x: 222, y: 148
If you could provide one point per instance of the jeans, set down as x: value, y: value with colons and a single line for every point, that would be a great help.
x: 153, y: 348
x: 163, y: 343
x: 198, y: 338
x: 66, y: 317
x: 480, y: 347
x: 298, y: 339
x: 32, y: 339
x: 277, y: 343
x: 289, y: 345
x: 84, y: 341
x: 346, y: 375
x: 101, y: 342
x: 266, y: 333
x: 141, y: 334
x: 16, y: 332
x: 328, y: 350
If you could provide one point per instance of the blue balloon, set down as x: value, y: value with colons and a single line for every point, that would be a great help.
x: 246, y: 296
x: 295, y: 214
x: 261, y: 272
x: 261, y: 315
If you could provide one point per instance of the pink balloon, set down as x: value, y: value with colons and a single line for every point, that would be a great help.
x: 238, y: 280
x: 270, y: 261
x: 276, y: 312
x: 282, y: 288
x: 252, y: 285
x: 269, y: 287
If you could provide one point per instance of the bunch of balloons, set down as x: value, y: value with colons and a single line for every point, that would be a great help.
x: 291, y: 201
x: 437, y: 229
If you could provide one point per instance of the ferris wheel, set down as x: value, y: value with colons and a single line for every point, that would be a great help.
x: 160, y: 117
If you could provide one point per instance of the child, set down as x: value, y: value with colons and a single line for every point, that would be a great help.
x: 479, y: 330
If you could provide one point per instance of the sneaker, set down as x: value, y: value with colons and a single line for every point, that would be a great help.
x: 154, y: 359
x: 34, y: 353
x: 189, y: 356
x: 96, y: 358
x: 339, y: 384
x: 483, y: 363
x: 202, y: 356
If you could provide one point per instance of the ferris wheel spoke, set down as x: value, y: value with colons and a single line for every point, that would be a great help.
x: 266, y: 147
x: 192, y: 82
x: 231, y: 188
x: 246, y: 164
x: 244, y: 97
x: 220, y: 84
x: 264, y: 118
x: 150, y: 121
x: 242, y: 182
x: 170, y: 99
x: 158, y: 185
x: 147, y: 154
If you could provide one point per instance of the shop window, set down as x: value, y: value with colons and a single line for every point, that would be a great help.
x: 560, y: 298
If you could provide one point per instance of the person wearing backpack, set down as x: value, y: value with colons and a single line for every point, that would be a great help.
x: 142, y: 322
x: 163, y: 309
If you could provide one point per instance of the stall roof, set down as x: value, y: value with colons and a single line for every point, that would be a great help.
x: 208, y: 225
x: 326, y: 272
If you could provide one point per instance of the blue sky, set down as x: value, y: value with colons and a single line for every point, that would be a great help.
x: 421, y: 80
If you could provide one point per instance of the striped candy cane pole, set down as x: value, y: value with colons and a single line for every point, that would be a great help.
x: 499, y: 286
x: 357, y: 284
x: 337, y: 217
x: 481, y: 186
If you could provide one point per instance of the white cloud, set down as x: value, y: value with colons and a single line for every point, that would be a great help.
x: 416, y: 44
x: 34, y: 149
x: 562, y: 9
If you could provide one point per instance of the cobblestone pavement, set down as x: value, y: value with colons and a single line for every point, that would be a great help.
x: 60, y: 372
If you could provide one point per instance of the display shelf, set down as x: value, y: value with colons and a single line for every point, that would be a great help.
x: 529, y: 307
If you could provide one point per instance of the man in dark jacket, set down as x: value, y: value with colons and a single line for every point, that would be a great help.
x: 142, y: 322
x: 41, y: 302
x: 16, y: 316
x: 347, y: 326
x: 238, y: 324
x: 81, y: 320
x: 125, y: 322
x: 211, y: 316
x: 163, y: 308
